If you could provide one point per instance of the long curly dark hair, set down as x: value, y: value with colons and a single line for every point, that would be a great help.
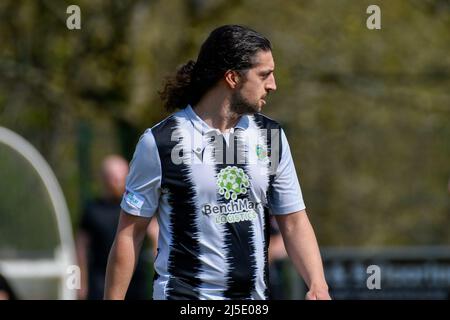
x: 229, y: 47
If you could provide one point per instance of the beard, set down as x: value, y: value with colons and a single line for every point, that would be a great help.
x: 241, y: 106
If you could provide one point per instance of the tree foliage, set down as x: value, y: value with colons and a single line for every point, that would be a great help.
x: 367, y: 112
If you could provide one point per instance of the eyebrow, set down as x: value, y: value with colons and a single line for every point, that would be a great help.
x: 266, y: 72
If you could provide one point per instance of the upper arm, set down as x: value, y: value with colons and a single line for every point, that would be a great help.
x: 143, y: 184
x: 292, y: 221
x: 132, y: 226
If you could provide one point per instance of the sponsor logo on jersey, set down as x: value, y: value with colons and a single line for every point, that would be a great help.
x: 231, y: 183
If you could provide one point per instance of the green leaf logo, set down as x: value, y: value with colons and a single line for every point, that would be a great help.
x: 232, y: 181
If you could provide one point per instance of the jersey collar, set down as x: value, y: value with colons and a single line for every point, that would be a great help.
x: 204, y: 128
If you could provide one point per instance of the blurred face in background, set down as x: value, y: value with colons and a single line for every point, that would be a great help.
x: 114, y: 173
x: 250, y: 95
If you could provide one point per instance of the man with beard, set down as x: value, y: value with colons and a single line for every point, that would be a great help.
x: 213, y: 173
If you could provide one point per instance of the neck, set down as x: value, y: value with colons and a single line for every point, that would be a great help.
x: 214, y: 108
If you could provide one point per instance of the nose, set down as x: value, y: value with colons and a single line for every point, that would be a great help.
x: 271, y: 84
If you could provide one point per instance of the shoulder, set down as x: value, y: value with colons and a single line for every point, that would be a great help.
x: 170, y: 123
x: 161, y: 129
x: 162, y: 132
x: 264, y: 122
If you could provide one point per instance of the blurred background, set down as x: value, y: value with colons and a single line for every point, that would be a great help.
x: 366, y: 112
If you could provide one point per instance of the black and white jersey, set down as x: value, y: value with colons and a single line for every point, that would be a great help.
x: 212, y: 194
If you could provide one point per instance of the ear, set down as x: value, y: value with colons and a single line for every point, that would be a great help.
x: 232, y: 78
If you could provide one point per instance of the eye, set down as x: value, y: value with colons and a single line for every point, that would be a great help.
x: 265, y: 75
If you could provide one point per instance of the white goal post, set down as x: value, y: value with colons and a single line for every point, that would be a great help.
x: 64, y: 255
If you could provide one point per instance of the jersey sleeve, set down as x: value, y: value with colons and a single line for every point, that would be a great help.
x: 285, y: 195
x: 143, y: 184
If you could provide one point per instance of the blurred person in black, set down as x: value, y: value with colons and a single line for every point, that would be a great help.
x: 96, y: 235
x: 6, y: 292
x: 277, y: 258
